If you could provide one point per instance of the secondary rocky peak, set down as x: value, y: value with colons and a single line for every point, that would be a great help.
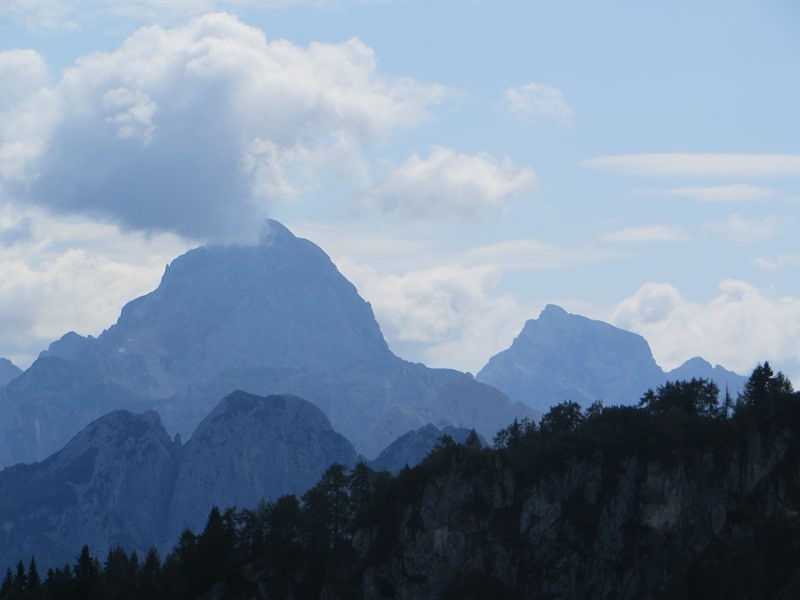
x: 108, y: 486
x: 252, y: 448
x: 8, y: 371
x: 562, y: 356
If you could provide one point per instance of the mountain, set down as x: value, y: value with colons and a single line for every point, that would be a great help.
x: 410, y: 448
x: 51, y: 401
x: 253, y: 448
x: 110, y: 485
x: 562, y: 356
x: 273, y: 318
x: 123, y: 481
x: 8, y: 371
x: 699, y: 368
x: 280, y: 303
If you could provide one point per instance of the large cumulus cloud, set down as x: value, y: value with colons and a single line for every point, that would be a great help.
x: 198, y: 129
x: 739, y: 327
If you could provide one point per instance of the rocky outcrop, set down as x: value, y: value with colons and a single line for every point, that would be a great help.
x: 597, y: 527
x: 249, y: 449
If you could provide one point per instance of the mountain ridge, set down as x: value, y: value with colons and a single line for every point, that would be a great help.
x: 563, y: 356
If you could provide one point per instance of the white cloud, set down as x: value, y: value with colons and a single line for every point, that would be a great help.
x: 199, y: 129
x: 738, y: 328
x: 70, y: 275
x: 443, y: 316
x: 778, y: 263
x: 645, y: 234
x: 699, y: 164
x: 735, y: 192
x: 743, y: 230
x: 535, y: 101
x: 451, y: 186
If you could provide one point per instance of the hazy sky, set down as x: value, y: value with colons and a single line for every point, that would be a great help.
x: 464, y: 163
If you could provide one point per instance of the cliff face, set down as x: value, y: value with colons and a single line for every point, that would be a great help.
x: 595, y: 528
x: 251, y: 449
x: 109, y: 486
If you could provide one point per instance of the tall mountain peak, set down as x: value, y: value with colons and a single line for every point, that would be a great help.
x: 279, y: 303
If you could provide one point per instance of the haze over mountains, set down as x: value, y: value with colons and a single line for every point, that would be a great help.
x: 279, y: 318
x: 276, y: 317
x: 307, y: 379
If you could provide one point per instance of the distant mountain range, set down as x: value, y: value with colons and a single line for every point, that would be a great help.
x: 314, y: 383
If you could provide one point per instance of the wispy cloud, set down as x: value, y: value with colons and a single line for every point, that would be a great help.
x: 448, y: 185
x: 743, y: 230
x: 536, y: 101
x: 734, y: 192
x: 700, y: 165
x: 777, y: 263
x: 72, y: 15
x: 645, y: 234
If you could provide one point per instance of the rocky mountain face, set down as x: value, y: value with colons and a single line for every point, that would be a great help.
x: 51, y: 401
x: 562, y: 356
x: 625, y: 527
x: 110, y: 485
x: 123, y: 481
x: 702, y: 369
x: 274, y: 318
x: 253, y: 448
x: 8, y: 371
x: 280, y: 303
x: 410, y: 448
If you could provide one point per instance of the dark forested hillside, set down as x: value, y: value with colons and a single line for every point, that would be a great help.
x: 680, y: 497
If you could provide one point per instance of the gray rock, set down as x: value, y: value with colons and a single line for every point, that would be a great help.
x: 51, y: 401
x: 252, y: 448
x: 8, y: 371
x: 110, y: 485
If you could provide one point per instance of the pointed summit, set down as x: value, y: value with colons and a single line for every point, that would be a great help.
x: 561, y: 356
x: 281, y: 303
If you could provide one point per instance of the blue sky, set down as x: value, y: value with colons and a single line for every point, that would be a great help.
x: 464, y: 163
